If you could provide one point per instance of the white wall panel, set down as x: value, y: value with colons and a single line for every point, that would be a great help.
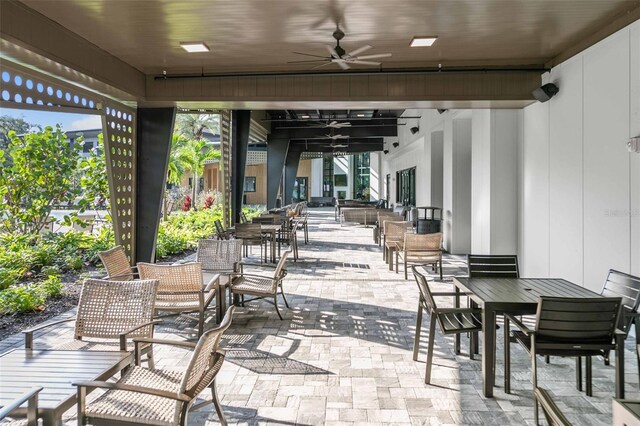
x: 534, y: 213
x: 634, y: 130
x: 566, y: 173
x: 481, y: 182
x: 606, y: 159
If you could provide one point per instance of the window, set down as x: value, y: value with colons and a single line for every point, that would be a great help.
x: 406, y: 187
x: 340, y: 180
x: 249, y: 184
x: 361, y: 176
x: 327, y: 176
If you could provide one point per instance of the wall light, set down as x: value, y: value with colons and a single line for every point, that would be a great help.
x: 396, y: 144
x: 414, y: 130
x: 386, y: 151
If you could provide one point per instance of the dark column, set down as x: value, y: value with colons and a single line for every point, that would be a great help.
x: 290, y: 173
x: 241, y: 120
x: 276, y: 154
x: 155, y: 127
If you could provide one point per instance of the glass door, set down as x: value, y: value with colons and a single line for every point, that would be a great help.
x: 300, y: 189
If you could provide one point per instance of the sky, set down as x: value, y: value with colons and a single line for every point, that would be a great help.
x: 67, y: 120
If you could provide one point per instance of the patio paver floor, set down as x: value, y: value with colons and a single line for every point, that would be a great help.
x: 343, y: 354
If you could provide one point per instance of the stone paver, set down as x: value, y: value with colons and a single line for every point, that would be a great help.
x: 343, y: 353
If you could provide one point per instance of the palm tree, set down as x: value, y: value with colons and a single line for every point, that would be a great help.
x: 193, y: 125
x: 195, y: 154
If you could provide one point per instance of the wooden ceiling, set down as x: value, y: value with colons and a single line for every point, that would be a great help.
x: 261, y: 35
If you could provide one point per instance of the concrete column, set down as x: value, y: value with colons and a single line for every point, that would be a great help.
x: 494, y: 170
x: 437, y: 140
x: 241, y: 121
x: 276, y: 154
x: 456, y: 191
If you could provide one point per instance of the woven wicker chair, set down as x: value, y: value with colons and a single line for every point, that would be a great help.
x: 117, y: 264
x: 251, y: 234
x: 394, y: 233
x: 378, y: 230
x: 110, y: 314
x: 261, y: 286
x: 288, y: 235
x: 303, y: 225
x: 181, y: 289
x: 31, y: 398
x: 420, y: 249
x: 157, y: 396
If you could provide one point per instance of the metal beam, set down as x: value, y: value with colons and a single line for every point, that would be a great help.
x: 240, y: 124
x: 155, y: 127
x: 276, y: 155
x: 319, y: 132
x: 290, y: 172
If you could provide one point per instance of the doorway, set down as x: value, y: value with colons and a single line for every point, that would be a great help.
x: 300, y: 189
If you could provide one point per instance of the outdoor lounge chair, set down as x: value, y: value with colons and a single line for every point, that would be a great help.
x: 219, y: 257
x: 117, y: 264
x: 251, y: 234
x: 261, y: 286
x: 420, y: 249
x: 158, y: 396
x: 181, y: 289
x: 450, y: 320
x: 551, y: 412
x: 573, y: 327
x: 31, y: 398
x: 110, y: 314
x: 394, y: 233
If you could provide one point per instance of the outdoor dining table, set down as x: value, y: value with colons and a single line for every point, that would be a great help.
x: 55, y: 371
x: 518, y: 296
x: 266, y: 228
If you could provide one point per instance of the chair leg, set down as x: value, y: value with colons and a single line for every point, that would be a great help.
x: 201, y: 323
x: 397, y: 260
x: 275, y: 302
x: 416, y: 341
x: 507, y: 356
x: 534, y: 379
x: 431, y: 344
x: 284, y: 298
x: 579, y: 373
x: 405, y: 270
x: 440, y: 269
x: 216, y: 404
x: 547, y: 359
x: 588, y: 376
x: 151, y: 363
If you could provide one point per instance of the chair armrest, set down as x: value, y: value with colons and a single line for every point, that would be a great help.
x: 123, y: 335
x: 116, y: 277
x: 132, y: 388
x: 28, y: 333
x: 449, y: 293
x: 264, y: 265
x: 526, y: 330
x: 27, y: 396
x: 213, y: 282
x: 458, y: 310
x: 190, y: 345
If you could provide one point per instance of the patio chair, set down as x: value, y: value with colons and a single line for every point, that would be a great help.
x: 287, y: 234
x: 394, y: 233
x: 110, y: 314
x: 220, y: 232
x: 303, y: 225
x: 251, y: 234
x: 243, y: 218
x: 158, y: 396
x: 493, y: 266
x: 117, y: 264
x: 31, y: 398
x: 420, y: 249
x: 181, y: 289
x: 551, y: 412
x: 573, y: 327
x: 219, y: 258
x: 261, y: 286
x: 450, y: 320
x: 378, y: 230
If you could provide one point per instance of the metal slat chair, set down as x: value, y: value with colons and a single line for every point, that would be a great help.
x: 158, y: 396
x: 549, y: 408
x: 450, y: 320
x: 573, y: 327
x: 220, y: 232
x: 493, y: 266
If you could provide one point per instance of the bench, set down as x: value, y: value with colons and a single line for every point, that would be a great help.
x: 321, y: 201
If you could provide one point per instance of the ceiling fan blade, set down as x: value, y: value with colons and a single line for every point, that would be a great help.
x: 333, y: 52
x: 332, y: 124
x: 339, y: 125
x: 365, y: 63
x: 322, y: 65
x: 359, y: 50
x: 309, y: 61
x: 309, y: 54
x: 341, y: 63
x: 378, y: 55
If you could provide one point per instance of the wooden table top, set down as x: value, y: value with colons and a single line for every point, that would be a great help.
x: 518, y: 293
x: 55, y: 371
x: 264, y: 226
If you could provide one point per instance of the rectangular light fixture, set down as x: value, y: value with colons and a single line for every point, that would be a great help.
x: 360, y: 115
x: 425, y: 41
x: 194, y: 46
x: 304, y: 117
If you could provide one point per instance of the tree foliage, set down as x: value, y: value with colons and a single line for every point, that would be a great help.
x: 18, y: 125
x: 192, y: 126
x: 93, y: 179
x: 36, y: 173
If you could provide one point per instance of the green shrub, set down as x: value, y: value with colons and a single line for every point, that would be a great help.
x: 51, y: 287
x: 20, y: 298
x: 74, y: 262
x: 9, y: 277
x: 50, y: 270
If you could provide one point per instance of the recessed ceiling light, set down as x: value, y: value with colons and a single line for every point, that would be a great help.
x: 360, y: 115
x: 304, y: 116
x: 194, y: 46
x: 423, y: 41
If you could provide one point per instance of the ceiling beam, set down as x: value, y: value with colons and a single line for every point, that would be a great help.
x: 316, y: 132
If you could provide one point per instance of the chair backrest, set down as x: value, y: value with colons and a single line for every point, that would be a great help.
x: 423, y: 242
x: 425, y: 291
x: 248, y: 230
x: 493, y: 266
x: 392, y: 217
x: 280, y: 272
x: 243, y: 218
x: 220, y: 230
x: 219, y: 255
x: 619, y: 284
x: 108, y: 308
x: 394, y: 231
x: 570, y: 320
x: 268, y: 219
x: 117, y: 264
x: 186, y: 277
x: 195, y: 379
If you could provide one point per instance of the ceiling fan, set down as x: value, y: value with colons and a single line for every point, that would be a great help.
x: 339, y: 56
x: 336, y: 137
